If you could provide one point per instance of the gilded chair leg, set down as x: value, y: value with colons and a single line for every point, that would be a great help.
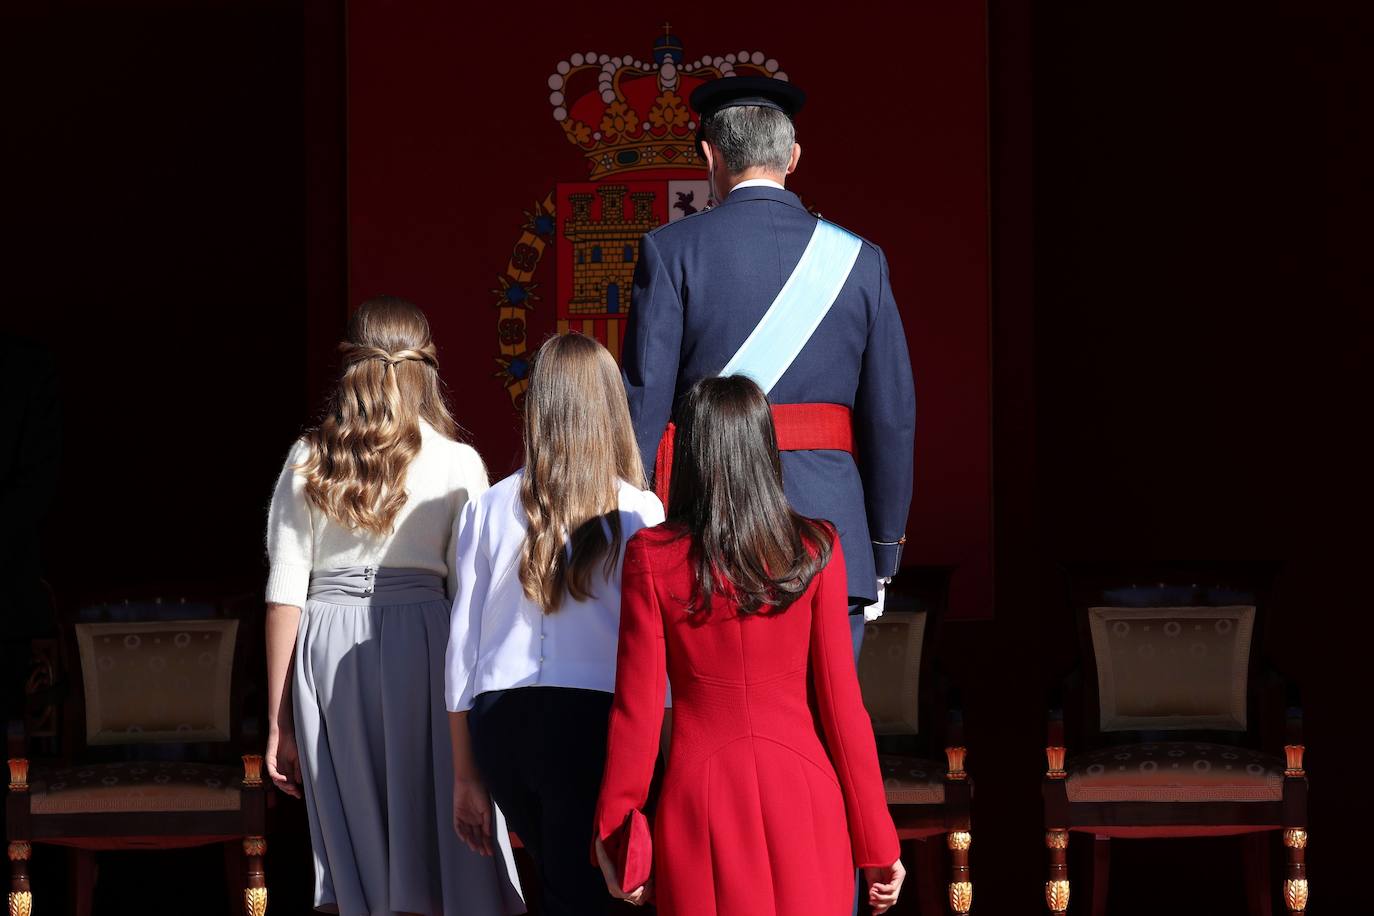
x: 1295, y: 882
x: 255, y: 894
x: 21, y: 896
x: 1057, y: 887
x: 960, y: 881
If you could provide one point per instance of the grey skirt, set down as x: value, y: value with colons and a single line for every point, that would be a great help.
x: 377, y: 765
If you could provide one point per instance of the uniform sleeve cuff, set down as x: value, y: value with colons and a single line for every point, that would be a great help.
x: 887, y: 557
x: 288, y: 583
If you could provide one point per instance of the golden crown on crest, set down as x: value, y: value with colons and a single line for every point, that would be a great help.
x: 638, y: 116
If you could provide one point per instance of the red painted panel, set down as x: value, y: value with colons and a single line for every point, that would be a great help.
x: 453, y: 149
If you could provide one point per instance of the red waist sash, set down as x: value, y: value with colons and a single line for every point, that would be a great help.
x: 800, y: 427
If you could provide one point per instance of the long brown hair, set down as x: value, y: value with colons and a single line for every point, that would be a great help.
x: 727, y: 494
x: 579, y: 445
x: 358, y: 455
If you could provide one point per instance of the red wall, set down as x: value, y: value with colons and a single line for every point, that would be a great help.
x: 451, y: 138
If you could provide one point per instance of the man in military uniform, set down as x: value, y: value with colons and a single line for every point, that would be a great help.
x: 756, y: 285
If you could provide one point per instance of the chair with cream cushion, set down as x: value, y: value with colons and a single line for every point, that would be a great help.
x: 152, y: 743
x: 1173, y: 727
x: 919, y: 730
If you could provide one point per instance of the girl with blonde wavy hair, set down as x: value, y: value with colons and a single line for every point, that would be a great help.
x: 532, y: 644
x: 358, y: 537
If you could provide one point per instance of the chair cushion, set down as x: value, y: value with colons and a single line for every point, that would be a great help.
x: 1175, y: 771
x: 136, y: 786
x: 912, y: 781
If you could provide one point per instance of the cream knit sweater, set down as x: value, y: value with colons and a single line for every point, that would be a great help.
x: 300, y: 538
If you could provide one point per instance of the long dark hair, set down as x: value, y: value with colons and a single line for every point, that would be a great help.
x: 727, y: 493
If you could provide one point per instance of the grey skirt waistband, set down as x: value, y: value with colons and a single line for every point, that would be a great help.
x: 376, y: 585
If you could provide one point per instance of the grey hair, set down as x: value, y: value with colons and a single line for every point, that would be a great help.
x: 751, y: 136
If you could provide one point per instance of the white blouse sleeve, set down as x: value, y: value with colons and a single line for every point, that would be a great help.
x: 290, y: 535
x: 651, y: 510
x: 469, y: 483
x: 472, y: 569
x: 647, y: 513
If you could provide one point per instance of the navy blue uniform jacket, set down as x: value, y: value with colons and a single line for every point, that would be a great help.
x: 701, y: 286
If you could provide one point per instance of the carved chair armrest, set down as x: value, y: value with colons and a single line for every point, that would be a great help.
x: 1277, y: 684
x: 1054, y: 734
x: 1293, y: 743
x: 45, y: 687
x: 955, y: 750
x: 252, y: 771
x: 46, y: 690
x: 19, y: 774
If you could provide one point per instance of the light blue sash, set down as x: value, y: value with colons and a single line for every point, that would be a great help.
x: 804, y: 300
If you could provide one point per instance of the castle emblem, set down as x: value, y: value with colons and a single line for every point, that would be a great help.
x: 631, y: 120
x: 605, y: 248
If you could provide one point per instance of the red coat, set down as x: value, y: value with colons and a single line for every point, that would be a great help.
x: 755, y: 816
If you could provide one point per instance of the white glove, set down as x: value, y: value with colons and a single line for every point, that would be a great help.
x: 875, y: 610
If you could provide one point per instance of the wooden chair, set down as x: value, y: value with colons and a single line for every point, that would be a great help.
x: 152, y: 739
x: 1168, y: 731
x: 917, y: 721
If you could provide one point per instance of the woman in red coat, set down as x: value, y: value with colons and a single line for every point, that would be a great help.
x: 742, y: 605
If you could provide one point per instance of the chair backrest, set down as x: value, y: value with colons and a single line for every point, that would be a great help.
x: 1169, y: 668
x: 1170, y: 650
x: 890, y: 671
x: 154, y: 682
x: 158, y: 673
x: 896, y: 674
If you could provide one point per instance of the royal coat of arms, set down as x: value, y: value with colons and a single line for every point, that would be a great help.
x: 631, y: 120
